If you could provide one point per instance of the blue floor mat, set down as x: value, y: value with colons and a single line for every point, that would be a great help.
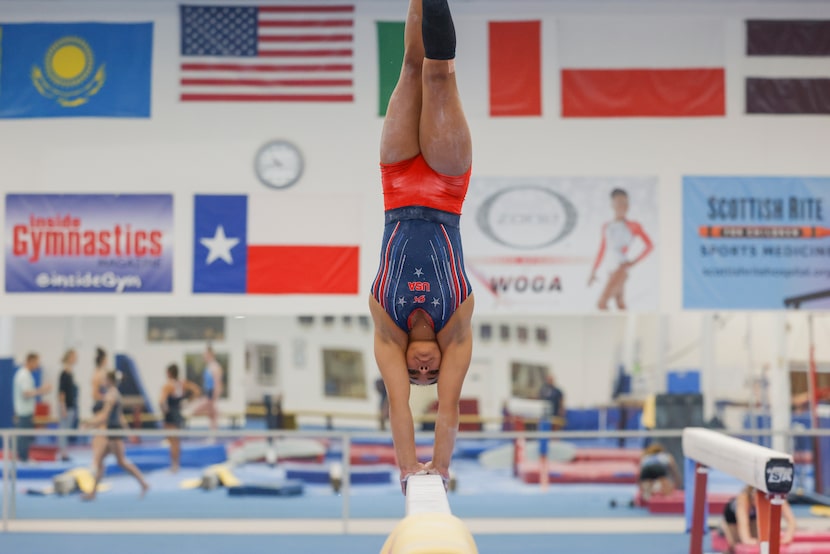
x: 657, y: 543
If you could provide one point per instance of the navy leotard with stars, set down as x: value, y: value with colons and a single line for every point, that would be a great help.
x: 421, y: 266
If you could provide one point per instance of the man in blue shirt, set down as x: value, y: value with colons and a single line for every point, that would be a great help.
x: 555, y: 399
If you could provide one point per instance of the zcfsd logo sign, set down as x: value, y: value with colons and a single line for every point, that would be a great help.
x: 526, y: 217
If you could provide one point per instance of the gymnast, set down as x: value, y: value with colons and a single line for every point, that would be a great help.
x: 739, y: 520
x: 421, y: 299
x: 617, y: 237
x: 111, y: 417
x: 173, y: 394
x: 658, y: 472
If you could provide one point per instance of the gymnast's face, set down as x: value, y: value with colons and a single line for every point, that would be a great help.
x: 423, y: 359
x: 619, y: 203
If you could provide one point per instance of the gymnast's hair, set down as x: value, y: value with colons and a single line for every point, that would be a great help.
x: 173, y: 371
x: 100, y: 356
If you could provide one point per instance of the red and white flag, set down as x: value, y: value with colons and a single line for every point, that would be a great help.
x: 643, y: 66
x: 276, y: 244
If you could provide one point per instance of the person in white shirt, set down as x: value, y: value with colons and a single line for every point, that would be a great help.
x: 25, y: 393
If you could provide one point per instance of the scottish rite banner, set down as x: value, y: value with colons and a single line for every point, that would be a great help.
x: 75, y: 69
x: 89, y: 243
x: 560, y: 244
x: 756, y: 242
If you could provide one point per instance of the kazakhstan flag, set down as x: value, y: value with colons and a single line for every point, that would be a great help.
x: 75, y: 69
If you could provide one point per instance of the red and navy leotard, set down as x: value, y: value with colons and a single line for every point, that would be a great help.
x: 421, y: 261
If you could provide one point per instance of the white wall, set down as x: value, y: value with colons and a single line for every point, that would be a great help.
x: 187, y: 149
x: 209, y: 148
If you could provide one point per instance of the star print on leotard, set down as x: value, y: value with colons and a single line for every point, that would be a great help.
x: 421, y: 268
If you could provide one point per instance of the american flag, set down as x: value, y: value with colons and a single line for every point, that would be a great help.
x: 281, y: 53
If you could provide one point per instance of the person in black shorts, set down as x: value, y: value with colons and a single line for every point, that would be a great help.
x: 658, y: 472
x: 174, y: 392
x: 67, y: 400
x: 111, y: 416
x: 740, y: 520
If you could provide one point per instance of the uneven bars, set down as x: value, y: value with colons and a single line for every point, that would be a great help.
x: 770, y: 472
x: 429, y: 526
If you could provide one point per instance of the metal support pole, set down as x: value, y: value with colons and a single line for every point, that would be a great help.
x: 775, y: 523
x: 13, y: 487
x: 764, y: 517
x: 698, y: 524
x: 6, y: 469
x: 347, y: 480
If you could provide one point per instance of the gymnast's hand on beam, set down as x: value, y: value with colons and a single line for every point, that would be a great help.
x: 444, y: 472
x: 408, y: 471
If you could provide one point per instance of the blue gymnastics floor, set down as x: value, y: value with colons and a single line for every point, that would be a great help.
x: 30, y: 543
x: 481, y: 493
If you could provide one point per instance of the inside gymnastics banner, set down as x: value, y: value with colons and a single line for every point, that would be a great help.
x: 89, y: 243
x: 559, y: 244
x: 756, y: 242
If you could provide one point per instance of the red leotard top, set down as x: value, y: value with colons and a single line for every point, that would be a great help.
x: 413, y: 183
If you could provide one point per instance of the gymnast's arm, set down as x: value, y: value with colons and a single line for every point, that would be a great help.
x: 742, y: 508
x: 191, y: 387
x: 391, y: 361
x: 96, y: 386
x: 165, y: 392
x: 789, y: 518
x: 638, y: 231
x: 598, y: 260
x: 103, y: 414
x: 456, y: 353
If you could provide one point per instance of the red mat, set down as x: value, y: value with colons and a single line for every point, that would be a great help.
x: 582, y: 472
x: 674, y: 503
x: 804, y: 542
x: 607, y: 455
x: 40, y: 453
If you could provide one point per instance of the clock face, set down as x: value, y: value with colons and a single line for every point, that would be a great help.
x: 278, y: 164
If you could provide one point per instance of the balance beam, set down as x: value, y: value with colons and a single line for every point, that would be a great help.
x: 429, y: 526
x: 425, y: 494
x: 770, y: 472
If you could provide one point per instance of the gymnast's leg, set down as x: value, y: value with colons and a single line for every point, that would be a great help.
x: 125, y: 464
x: 399, y: 140
x: 444, y: 135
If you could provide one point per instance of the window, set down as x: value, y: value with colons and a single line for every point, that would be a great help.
x: 527, y: 379
x: 344, y: 374
x: 177, y: 329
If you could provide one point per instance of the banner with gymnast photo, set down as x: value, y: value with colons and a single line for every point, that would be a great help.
x: 756, y: 243
x: 562, y: 244
x: 107, y: 243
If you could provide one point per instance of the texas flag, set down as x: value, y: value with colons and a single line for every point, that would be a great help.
x: 276, y: 244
